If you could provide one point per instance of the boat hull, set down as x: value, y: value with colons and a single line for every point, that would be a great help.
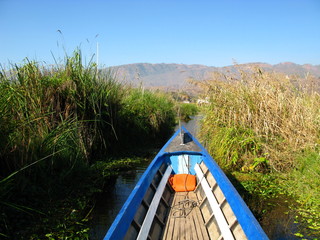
x: 154, y: 210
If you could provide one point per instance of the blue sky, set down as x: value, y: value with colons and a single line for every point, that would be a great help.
x: 213, y: 33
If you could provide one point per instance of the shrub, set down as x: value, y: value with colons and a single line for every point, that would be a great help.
x: 187, y: 110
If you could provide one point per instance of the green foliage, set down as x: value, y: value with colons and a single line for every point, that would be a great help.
x: 112, y: 167
x: 187, y: 110
x: 55, y: 123
x: 234, y: 148
x: 303, y: 183
x: 145, y: 117
x: 264, y: 186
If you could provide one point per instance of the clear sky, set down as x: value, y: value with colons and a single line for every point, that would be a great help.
x: 211, y: 32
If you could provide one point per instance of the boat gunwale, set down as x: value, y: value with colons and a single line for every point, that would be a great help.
x: 246, y: 219
x: 126, y: 214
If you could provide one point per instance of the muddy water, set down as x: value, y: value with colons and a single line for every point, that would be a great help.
x: 277, y: 221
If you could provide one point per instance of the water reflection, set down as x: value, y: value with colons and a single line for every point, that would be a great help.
x: 278, y: 222
x: 192, y: 126
x: 109, y: 203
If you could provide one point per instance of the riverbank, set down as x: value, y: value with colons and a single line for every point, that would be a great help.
x: 65, y: 125
x: 109, y: 202
x: 263, y: 128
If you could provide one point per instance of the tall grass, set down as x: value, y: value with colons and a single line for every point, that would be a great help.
x: 146, y: 116
x: 71, y: 113
x: 55, y: 122
x: 60, y: 109
x: 260, y: 117
x: 187, y: 110
x: 268, y: 122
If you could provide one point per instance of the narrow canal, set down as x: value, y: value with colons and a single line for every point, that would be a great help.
x: 109, y: 203
x: 278, y: 222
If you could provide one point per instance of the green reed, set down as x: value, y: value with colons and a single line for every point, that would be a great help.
x: 48, y: 110
x: 56, y: 122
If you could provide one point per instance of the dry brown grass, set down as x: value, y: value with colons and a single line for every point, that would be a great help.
x: 282, y: 111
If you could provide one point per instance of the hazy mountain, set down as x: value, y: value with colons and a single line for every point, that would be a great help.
x: 161, y: 75
x: 175, y: 75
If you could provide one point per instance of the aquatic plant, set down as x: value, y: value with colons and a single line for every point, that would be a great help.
x: 280, y: 115
x: 56, y: 122
x: 187, y: 110
x: 146, y: 115
x: 258, y: 121
x: 303, y: 183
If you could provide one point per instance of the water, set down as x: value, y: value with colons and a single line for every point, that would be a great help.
x: 109, y: 203
x: 278, y: 222
x: 192, y: 126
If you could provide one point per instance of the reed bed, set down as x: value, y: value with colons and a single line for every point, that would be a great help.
x: 187, y: 110
x: 259, y: 120
x: 62, y: 109
x: 146, y: 116
x: 55, y: 123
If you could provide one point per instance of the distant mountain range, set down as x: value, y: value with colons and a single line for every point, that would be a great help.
x: 174, y: 76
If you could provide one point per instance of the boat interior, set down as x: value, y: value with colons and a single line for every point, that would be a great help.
x: 201, y: 212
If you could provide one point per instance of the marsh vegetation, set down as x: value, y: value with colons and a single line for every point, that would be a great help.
x: 61, y: 126
x: 70, y: 123
x: 263, y: 128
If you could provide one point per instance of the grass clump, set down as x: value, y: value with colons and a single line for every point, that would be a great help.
x: 267, y: 123
x: 65, y: 109
x: 56, y: 122
x: 187, y: 110
x: 304, y: 182
x: 146, y: 116
x: 269, y: 116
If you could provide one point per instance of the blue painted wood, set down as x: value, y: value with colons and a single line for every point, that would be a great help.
x: 193, y: 160
x: 248, y: 222
x: 122, y: 222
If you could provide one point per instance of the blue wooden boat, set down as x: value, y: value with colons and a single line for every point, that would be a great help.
x: 184, y: 194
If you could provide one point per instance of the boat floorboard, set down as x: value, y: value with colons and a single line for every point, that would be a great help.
x: 189, y: 227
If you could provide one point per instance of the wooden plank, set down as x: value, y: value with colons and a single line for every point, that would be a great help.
x: 197, y: 224
x: 168, y: 232
x: 192, y: 224
x: 145, y: 228
x: 183, y: 164
x: 189, y: 227
x: 185, y: 230
x: 222, y: 223
x: 202, y: 233
x: 197, y: 229
x: 176, y: 229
